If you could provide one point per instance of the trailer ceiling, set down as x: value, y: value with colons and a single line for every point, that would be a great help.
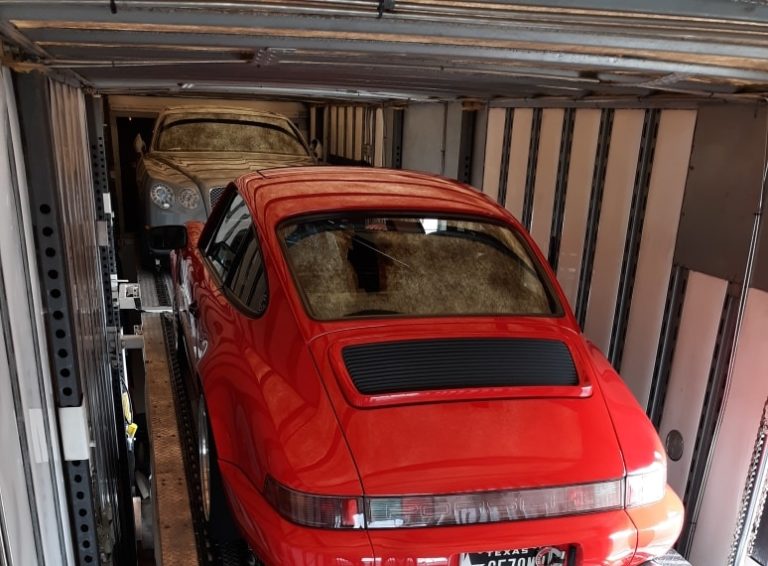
x: 418, y: 49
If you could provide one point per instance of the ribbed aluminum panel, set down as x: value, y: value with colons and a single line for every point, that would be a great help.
x: 741, y: 419
x: 427, y: 365
x: 579, y: 191
x: 609, y: 249
x: 694, y: 350
x: 34, y: 520
x: 76, y: 202
x: 657, y: 245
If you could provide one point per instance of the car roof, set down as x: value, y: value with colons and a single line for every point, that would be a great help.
x: 307, y: 189
x: 217, y: 109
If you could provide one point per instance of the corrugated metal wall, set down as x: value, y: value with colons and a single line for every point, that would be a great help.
x: 350, y: 134
x: 72, y: 235
x: 600, y: 192
x: 76, y: 199
x: 33, y: 501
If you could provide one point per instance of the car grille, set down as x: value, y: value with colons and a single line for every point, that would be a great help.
x: 424, y: 365
x: 215, y: 194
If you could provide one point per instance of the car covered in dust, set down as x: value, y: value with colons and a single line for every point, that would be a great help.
x: 195, y: 151
x: 388, y: 373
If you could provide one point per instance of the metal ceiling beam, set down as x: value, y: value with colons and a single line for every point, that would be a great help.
x: 740, y: 42
x: 709, y: 11
x: 675, y: 45
x: 449, y: 52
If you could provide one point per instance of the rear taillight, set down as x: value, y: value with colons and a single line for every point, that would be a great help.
x: 323, y: 511
x: 646, y: 486
x: 492, y: 507
x: 348, y: 512
x: 432, y: 510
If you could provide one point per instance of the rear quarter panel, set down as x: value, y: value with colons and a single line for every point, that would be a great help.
x: 268, y: 410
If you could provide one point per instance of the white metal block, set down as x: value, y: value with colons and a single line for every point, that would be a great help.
x: 102, y: 233
x: 132, y: 341
x: 76, y: 442
x: 107, y: 199
x: 657, y: 248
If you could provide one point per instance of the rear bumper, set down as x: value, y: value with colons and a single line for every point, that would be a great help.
x: 604, y: 539
x: 658, y: 526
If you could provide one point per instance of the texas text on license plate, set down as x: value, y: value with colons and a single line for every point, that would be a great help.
x: 537, y: 556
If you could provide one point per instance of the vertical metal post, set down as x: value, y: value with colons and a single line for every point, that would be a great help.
x: 504, y: 167
x: 124, y: 551
x: 467, y: 145
x: 397, y: 138
x: 564, y: 165
x: 533, y: 158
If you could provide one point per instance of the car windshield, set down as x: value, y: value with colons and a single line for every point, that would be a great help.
x: 412, y: 266
x: 229, y: 133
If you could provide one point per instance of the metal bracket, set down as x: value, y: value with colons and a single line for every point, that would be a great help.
x: 75, y: 440
x: 132, y: 341
x: 129, y: 296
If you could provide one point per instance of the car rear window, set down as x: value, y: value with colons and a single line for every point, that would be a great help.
x: 412, y: 266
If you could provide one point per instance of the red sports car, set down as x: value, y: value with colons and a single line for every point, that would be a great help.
x: 389, y: 374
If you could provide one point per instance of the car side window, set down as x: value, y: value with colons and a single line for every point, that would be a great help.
x: 248, y: 281
x: 231, y: 232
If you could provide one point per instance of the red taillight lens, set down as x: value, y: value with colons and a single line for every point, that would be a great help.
x: 338, y: 512
x: 329, y: 512
x: 492, y: 507
x: 349, y: 512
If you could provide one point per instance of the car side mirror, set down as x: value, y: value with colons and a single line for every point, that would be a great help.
x: 317, y: 148
x: 138, y: 145
x: 167, y: 238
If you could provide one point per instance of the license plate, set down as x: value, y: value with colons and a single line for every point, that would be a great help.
x: 537, y: 556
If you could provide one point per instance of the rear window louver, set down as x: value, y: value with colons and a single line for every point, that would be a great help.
x: 428, y: 365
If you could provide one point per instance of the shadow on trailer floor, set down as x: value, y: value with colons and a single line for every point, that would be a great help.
x: 179, y: 531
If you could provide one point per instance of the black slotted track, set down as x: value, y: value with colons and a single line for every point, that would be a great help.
x: 209, y: 553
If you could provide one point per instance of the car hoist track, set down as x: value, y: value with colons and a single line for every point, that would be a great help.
x: 209, y: 554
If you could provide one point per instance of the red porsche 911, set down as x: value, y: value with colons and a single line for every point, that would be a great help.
x: 389, y: 374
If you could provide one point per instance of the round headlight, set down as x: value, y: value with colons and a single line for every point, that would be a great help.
x: 189, y: 198
x: 162, y: 196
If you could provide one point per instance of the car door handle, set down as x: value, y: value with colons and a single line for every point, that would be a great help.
x: 193, y: 309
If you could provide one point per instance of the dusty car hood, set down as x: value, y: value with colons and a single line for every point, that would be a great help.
x: 472, y: 441
x: 209, y: 170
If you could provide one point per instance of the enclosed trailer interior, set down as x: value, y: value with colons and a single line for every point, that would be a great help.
x: 631, y: 141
